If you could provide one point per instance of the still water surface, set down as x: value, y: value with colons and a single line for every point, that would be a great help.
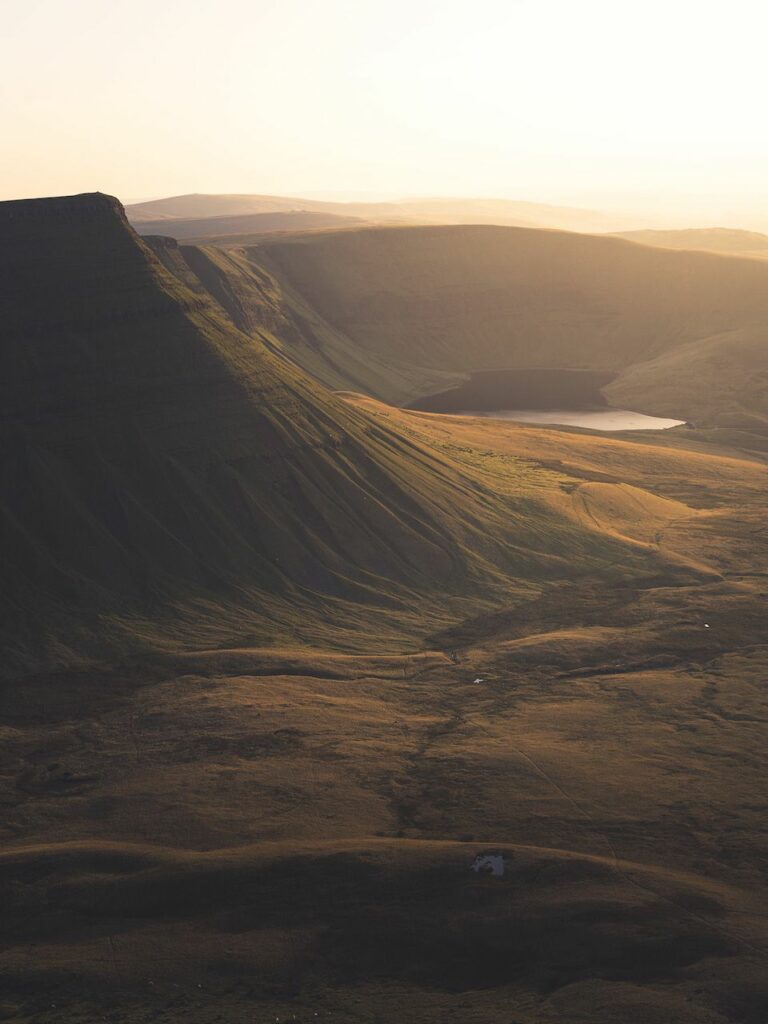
x: 595, y: 419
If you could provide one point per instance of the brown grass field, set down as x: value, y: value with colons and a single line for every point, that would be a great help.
x: 252, y: 834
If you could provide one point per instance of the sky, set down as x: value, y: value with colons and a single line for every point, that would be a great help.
x: 617, y: 104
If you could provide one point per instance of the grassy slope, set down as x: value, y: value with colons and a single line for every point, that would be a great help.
x: 169, y: 480
x: 614, y: 750
x: 405, y: 929
x: 686, y: 332
x: 267, y: 309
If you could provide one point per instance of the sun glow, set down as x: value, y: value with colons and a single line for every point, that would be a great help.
x: 654, y: 107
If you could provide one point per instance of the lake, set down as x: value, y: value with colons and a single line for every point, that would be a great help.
x: 564, y: 396
x: 594, y: 419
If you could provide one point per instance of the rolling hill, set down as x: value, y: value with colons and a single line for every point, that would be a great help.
x: 724, y: 240
x: 228, y: 231
x: 400, y: 313
x: 686, y: 333
x: 290, y: 831
x: 221, y: 217
x: 197, y: 206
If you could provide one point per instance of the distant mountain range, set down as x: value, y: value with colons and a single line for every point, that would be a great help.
x: 223, y: 216
x: 723, y: 240
x: 234, y: 220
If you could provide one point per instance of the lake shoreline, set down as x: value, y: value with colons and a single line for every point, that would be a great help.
x: 604, y: 419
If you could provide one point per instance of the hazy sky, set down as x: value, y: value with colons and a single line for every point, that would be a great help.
x: 648, y: 103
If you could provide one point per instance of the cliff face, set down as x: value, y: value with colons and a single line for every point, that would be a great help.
x: 69, y: 263
x: 88, y: 320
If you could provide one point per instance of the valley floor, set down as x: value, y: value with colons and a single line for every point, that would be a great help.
x: 249, y: 835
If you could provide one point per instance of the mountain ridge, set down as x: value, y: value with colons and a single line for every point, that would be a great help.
x: 198, y: 215
x: 155, y: 457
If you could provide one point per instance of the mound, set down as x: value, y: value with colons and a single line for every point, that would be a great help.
x: 310, y: 926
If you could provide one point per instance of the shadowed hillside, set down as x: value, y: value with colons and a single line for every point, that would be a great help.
x: 224, y: 229
x: 262, y: 305
x: 262, y: 833
x: 159, y: 464
x: 403, y: 313
x: 685, y: 333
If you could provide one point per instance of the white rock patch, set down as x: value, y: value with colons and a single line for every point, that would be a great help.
x: 491, y: 863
